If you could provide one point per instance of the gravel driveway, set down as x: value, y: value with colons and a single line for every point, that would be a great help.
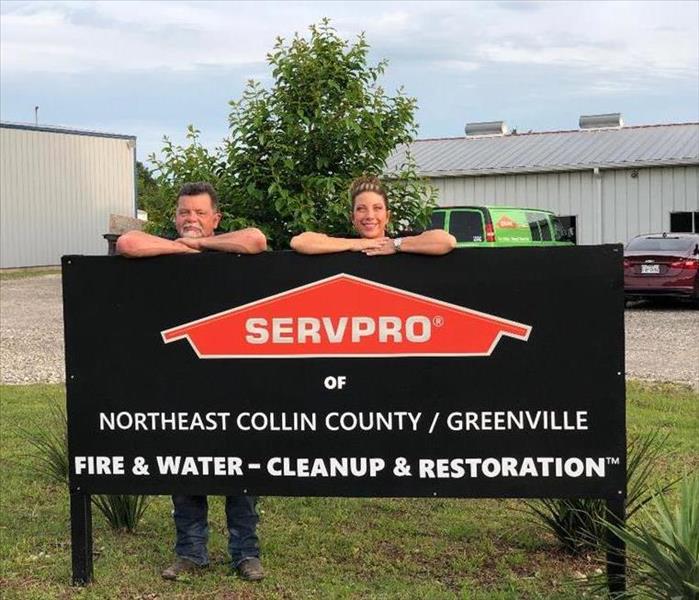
x: 661, y: 339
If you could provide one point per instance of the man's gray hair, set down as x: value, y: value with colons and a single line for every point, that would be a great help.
x: 199, y: 187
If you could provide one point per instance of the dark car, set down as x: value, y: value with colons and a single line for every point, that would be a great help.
x: 662, y: 264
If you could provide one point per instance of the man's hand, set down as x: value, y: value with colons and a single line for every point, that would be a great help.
x: 193, y: 244
x: 379, y: 247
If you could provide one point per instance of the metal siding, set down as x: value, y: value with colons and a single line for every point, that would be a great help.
x: 586, y: 219
x: 530, y: 190
x: 680, y: 191
x: 633, y: 211
x: 609, y: 203
x: 692, y: 188
x: 479, y: 196
x: 644, y: 200
x: 58, y: 190
x: 667, y: 198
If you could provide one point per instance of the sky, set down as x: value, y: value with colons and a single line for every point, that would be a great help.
x: 149, y: 69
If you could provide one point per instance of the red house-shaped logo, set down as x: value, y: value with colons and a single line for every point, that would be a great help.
x: 346, y: 316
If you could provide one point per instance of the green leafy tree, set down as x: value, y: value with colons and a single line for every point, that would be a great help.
x: 176, y: 166
x: 145, y: 185
x: 293, y: 150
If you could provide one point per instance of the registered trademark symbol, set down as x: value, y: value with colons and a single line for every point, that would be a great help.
x: 438, y: 321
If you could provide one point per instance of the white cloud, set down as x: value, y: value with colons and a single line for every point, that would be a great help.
x: 178, y: 62
x: 657, y: 37
x: 458, y: 65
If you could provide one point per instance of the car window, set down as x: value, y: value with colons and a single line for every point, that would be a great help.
x: 466, y: 225
x: 539, y: 226
x: 437, y: 221
x: 661, y: 243
x: 545, y: 229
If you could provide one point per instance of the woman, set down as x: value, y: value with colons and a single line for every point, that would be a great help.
x: 370, y: 216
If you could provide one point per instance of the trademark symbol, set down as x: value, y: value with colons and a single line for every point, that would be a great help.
x: 612, y: 460
x: 438, y: 321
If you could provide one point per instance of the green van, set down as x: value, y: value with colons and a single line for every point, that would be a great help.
x: 501, y: 226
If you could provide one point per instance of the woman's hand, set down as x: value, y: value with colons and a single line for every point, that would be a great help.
x: 381, y: 247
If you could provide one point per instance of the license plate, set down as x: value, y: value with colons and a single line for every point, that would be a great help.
x: 650, y: 269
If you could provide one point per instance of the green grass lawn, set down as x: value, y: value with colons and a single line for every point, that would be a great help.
x: 8, y: 274
x: 312, y: 547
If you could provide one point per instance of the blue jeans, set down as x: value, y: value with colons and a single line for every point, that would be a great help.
x: 192, y: 524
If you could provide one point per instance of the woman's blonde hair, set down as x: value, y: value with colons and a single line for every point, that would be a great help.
x: 368, y: 183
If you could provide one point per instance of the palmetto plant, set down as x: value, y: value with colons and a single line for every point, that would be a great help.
x: 579, y: 523
x: 49, y: 442
x: 664, y: 547
x: 123, y: 512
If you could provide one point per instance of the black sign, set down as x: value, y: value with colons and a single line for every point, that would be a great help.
x: 484, y: 373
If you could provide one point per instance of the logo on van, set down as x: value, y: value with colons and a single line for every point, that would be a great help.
x: 346, y: 316
x: 506, y: 222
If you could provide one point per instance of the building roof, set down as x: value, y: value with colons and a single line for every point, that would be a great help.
x: 623, y: 147
x: 66, y: 130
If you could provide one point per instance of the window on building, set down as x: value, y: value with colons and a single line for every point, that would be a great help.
x: 684, y: 222
x: 569, y: 225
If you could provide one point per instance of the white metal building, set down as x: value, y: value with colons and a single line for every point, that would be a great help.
x: 57, y: 189
x: 608, y: 182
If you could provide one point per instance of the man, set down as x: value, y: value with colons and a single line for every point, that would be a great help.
x: 196, y: 218
x: 370, y: 216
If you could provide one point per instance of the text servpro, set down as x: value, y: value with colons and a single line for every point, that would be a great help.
x: 314, y: 330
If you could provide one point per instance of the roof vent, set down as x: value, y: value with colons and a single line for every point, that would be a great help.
x: 601, y: 121
x: 486, y: 128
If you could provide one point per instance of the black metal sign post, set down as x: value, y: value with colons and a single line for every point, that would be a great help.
x: 616, y: 553
x: 81, y: 537
x: 477, y: 375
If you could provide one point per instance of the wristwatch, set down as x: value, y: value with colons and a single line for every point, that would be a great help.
x: 397, y: 243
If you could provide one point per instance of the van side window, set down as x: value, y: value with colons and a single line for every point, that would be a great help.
x: 539, y: 227
x: 545, y: 229
x: 437, y: 221
x: 466, y: 226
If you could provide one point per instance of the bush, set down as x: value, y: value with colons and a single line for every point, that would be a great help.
x: 49, y: 442
x: 293, y: 150
x: 663, y: 551
x: 123, y: 512
x: 579, y: 523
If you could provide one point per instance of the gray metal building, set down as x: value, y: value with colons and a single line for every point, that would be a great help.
x: 57, y: 189
x: 608, y: 181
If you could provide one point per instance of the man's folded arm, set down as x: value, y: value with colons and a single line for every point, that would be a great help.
x: 244, y: 241
x: 138, y: 244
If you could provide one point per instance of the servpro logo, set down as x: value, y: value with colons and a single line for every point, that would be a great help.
x: 346, y: 316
